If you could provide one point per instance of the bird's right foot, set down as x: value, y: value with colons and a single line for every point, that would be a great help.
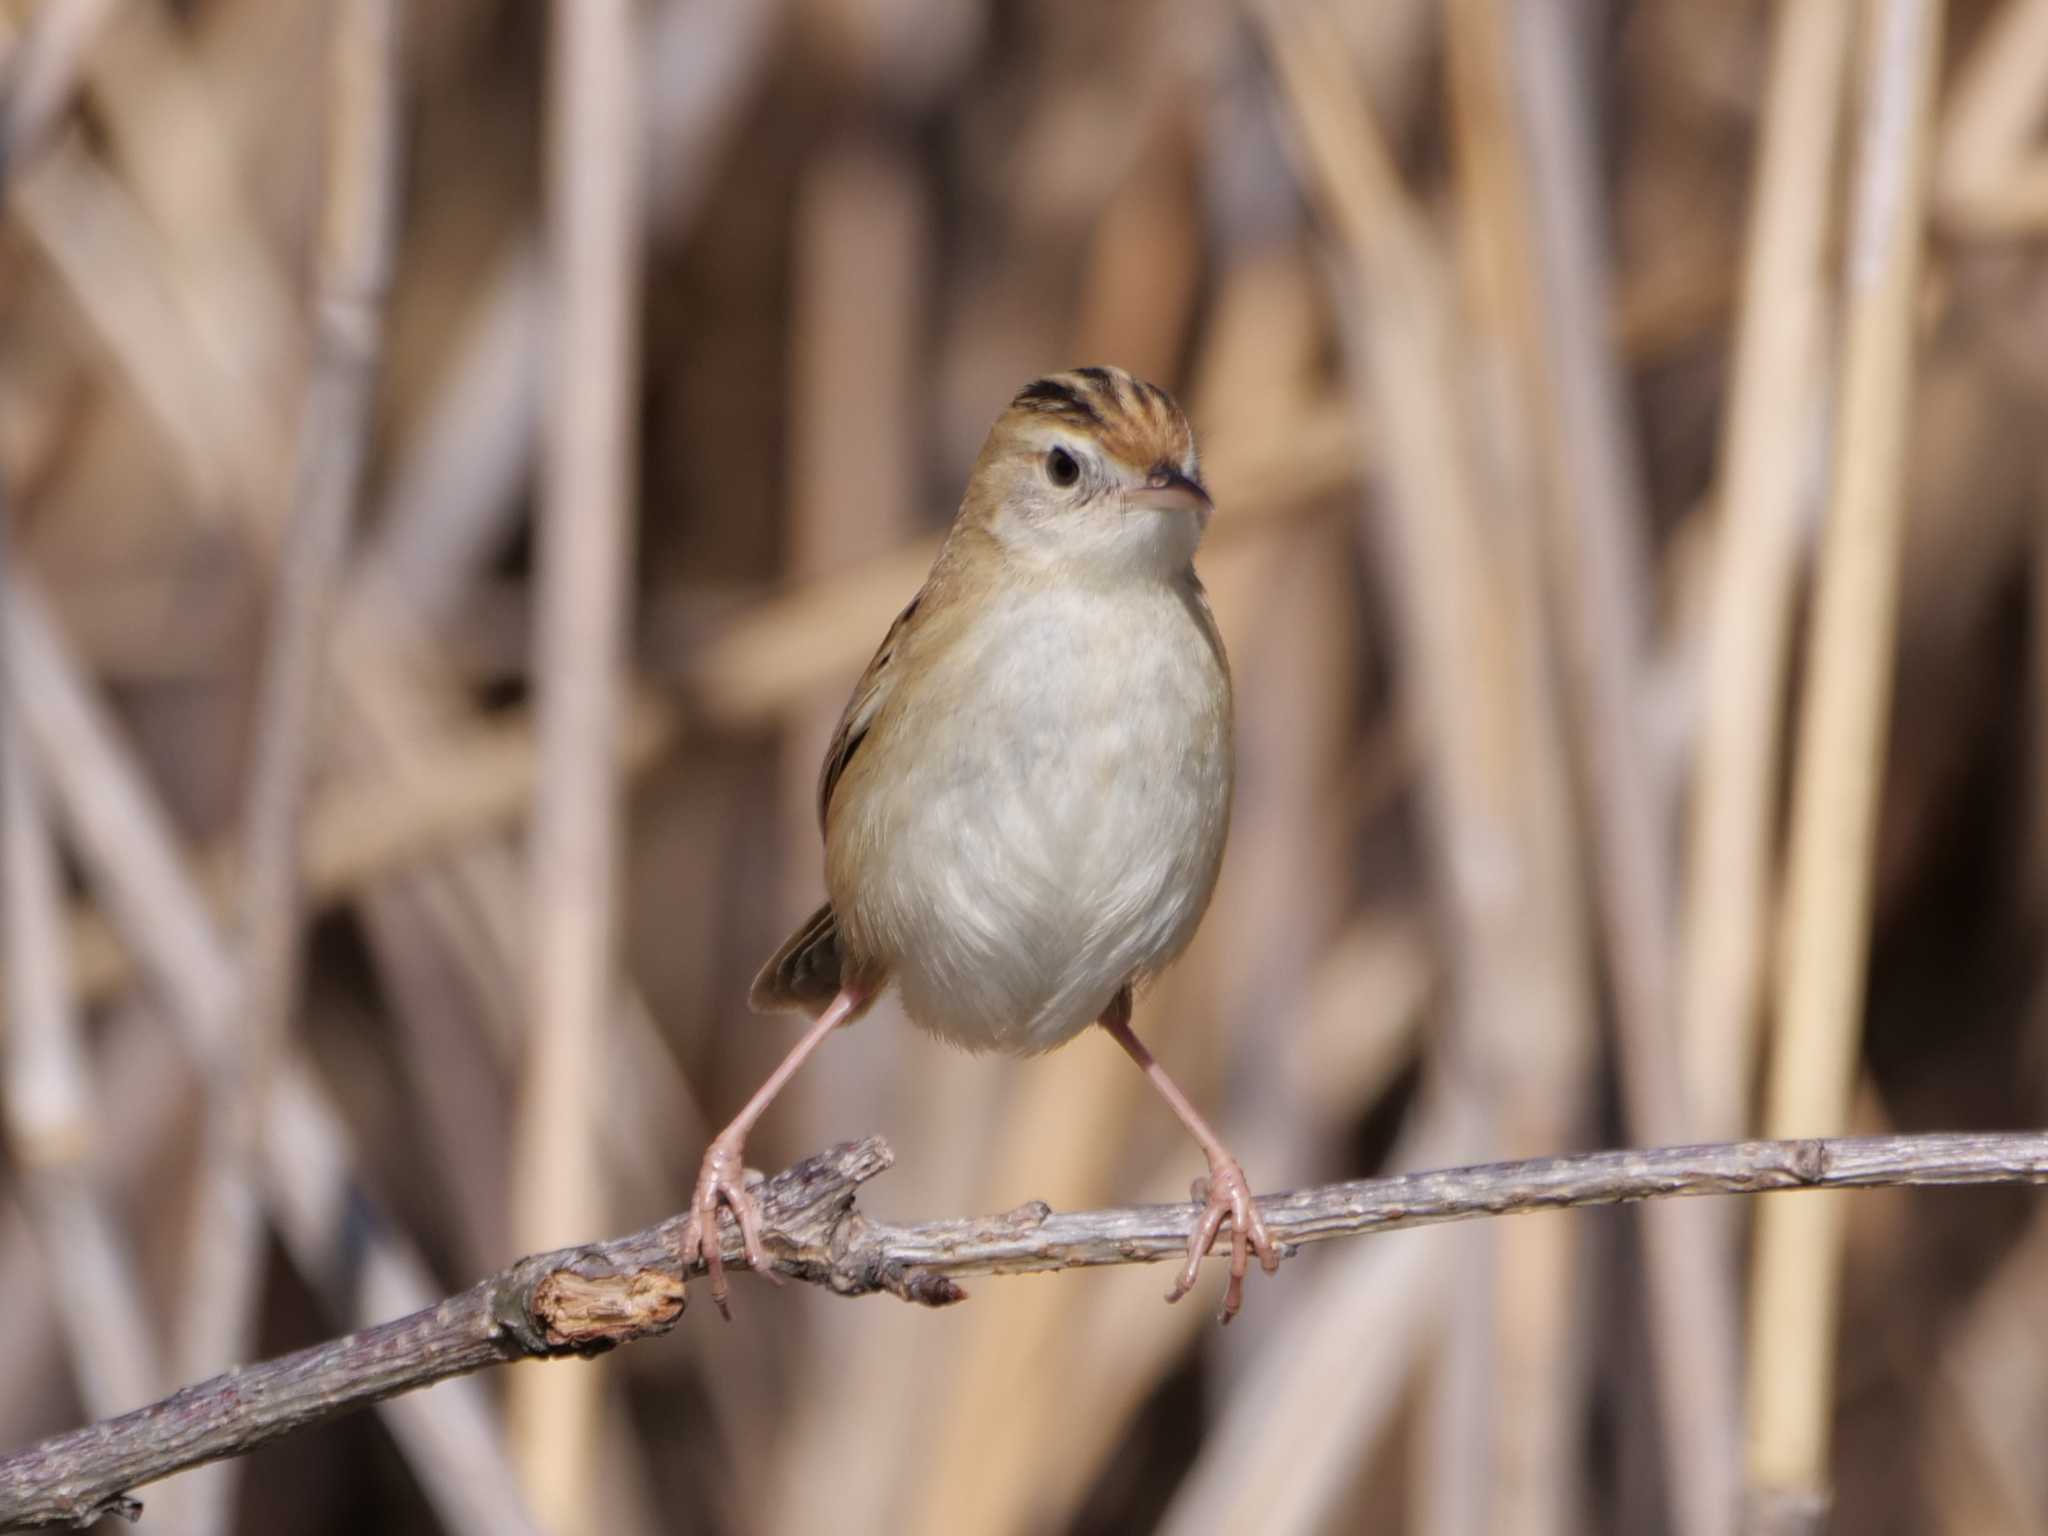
x: 1227, y: 1194
x: 723, y: 1180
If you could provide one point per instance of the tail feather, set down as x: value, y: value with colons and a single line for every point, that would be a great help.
x: 806, y: 973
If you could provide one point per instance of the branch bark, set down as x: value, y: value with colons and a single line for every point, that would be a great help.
x: 585, y: 1300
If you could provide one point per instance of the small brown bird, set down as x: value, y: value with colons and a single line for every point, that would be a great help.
x: 1025, y: 803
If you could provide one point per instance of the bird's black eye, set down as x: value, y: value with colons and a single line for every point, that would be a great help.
x: 1061, y: 466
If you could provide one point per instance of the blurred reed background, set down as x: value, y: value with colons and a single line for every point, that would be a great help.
x: 1626, y: 424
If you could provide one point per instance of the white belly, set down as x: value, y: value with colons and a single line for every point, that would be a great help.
x: 1065, y: 837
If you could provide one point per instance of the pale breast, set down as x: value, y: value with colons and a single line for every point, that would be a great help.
x: 1058, y: 829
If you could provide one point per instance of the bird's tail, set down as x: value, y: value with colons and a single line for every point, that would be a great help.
x: 805, y: 974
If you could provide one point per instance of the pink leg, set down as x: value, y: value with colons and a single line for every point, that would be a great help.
x: 1228, y: 1193
x: 723, y: 1175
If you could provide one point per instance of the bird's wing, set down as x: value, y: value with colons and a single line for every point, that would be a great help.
x: 869, y: 694
x: 806, y: 972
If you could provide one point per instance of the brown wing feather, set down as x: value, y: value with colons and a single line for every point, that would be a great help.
x: 808, y: 970
x: 803, y: 974
x: 860, y: 711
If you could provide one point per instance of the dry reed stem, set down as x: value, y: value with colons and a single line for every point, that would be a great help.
x: 109, y: 261
x: 137, y: 871
x: 1986, y: 179
x: 701, y: 61
x: 1464, y: 586
x: 594, y: 235
x: 1983, y: 1444
x: 226, y: 1252
x: 43, y: 75
x: 457, y: 481
x: 445, y: 1050
x: 1767, y: 472
x: 1301, y: 659
x: 1603, y: 604
x: 2037, y: 677
x: 1119, y: 1343
x: 167, y: 143
x: 48, y: 1095
x: 1980, y: 1458
x: 1122, y: 1342
x: 860, y: 297
x: 457, y: 477
x: 133, y: 859
x: 1840, y: 766
x: 1312, y: 1407
x: 466, y: 783
x: 443, y: 520
x: 1525, y: 1276
x: 144, y: 355
x: 400, y: 705
x: 30, y: 1331
x: 1049, y: 1134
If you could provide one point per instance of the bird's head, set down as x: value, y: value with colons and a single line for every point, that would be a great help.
x: 1091, y: 473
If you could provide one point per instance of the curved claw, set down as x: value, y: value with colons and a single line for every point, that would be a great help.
x: 1227, y: 1194
x: 723, y: 1179
x: 1200, y: 1240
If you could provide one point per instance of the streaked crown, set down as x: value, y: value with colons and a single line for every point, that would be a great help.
x: 1135, y: 422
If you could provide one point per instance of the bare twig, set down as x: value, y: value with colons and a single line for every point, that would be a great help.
x: 585, y: 1300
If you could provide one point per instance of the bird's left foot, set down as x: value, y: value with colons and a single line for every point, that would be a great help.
x: 723, y: 1178
x: 1225, y: 1193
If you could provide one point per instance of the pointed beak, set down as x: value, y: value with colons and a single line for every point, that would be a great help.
x: 1168, y: 490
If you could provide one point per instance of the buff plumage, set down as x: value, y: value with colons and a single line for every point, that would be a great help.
x: 1025, y: 803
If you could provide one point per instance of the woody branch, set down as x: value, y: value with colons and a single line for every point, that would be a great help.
x: 584, y: 1300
